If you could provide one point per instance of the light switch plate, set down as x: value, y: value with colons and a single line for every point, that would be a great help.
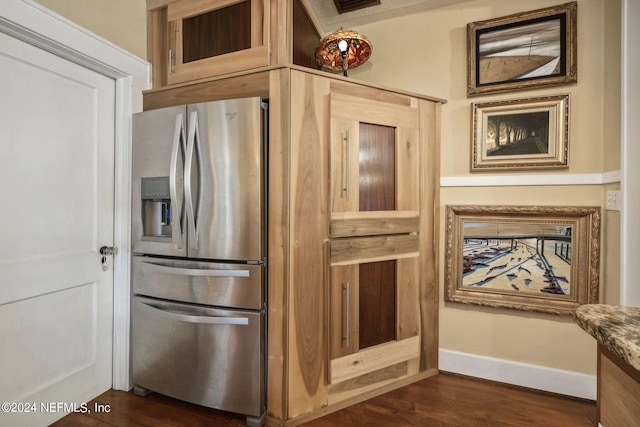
x: 613, y: 200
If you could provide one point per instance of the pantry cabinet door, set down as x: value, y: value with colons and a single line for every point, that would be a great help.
x: 374, y: 157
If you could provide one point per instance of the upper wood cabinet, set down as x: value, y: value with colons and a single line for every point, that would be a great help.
x: 196, y: 39
x: 222, y: 35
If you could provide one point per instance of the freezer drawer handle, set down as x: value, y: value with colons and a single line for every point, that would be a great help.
x: 196, y: 271
x: 195, y: 319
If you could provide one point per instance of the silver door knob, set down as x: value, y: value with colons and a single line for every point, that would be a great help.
x: 107, y: 250
x: 104, y: 251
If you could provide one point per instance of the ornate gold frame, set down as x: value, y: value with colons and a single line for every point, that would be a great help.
x: 556, y: 110
x: 499, y: 77
x: 515, y: 271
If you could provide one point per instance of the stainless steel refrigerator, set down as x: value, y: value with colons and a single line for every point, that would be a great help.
x: 198, y: 269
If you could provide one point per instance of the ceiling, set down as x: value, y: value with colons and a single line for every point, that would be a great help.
x: 329, y: 20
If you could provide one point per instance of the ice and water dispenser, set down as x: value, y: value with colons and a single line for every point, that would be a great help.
x: 156, y: 207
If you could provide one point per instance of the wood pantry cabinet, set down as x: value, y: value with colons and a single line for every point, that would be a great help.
x: 361, y: 243
x: 353, y: 235
x: 373, y: 229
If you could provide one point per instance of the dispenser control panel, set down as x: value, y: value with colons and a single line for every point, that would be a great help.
x: 156, y: 206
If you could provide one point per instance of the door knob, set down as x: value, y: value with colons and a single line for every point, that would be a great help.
x: 107, y: 250
x: 104, y: 251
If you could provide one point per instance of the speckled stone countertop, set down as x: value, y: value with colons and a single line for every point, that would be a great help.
x: 615, y: 327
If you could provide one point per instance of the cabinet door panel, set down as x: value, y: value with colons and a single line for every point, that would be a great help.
x: 373, y: 303
x: 375, y: 155
x: 220, y: 35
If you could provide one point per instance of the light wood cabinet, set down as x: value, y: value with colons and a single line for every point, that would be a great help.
x: 323, y: 247
x: 364, y: 197
x: 374, y: 225
x: 191, y: 40
x: 199, y: 37
x: 618, y: 390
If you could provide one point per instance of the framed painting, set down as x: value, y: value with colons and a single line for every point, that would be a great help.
x: 533, y: 258
x: 521, y: 51
x: 530, y: 133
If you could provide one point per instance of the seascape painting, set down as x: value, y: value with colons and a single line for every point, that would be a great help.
x: 518, y: 257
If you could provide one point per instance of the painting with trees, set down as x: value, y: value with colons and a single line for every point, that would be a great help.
x: 527, y: 133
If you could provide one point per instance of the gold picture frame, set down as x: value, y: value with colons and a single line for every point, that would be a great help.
x: 533, y: 258
x: 523, y: 51
x: 530, y: 133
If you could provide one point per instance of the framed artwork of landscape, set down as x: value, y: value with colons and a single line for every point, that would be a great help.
x: 525, y: 50
x: 533, y: 258
x: 530, y: 133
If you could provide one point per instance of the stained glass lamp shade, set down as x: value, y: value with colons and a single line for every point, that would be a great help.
x: 356, y: 50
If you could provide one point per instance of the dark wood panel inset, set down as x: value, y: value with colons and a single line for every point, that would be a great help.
x: 217, y: 32
x: 305, y: 38
x: 377, y: 160
x: 377, y: 316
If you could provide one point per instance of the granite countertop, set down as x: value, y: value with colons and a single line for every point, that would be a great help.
x: 615, y: 327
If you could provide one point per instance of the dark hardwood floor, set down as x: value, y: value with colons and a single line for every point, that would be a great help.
x: 442, y: 400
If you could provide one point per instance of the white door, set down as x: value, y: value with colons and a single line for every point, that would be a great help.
x: 56, y: 211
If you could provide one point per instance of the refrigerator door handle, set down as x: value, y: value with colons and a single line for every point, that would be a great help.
x: 193, y: 143
x: 202, y: 272
x: 178, y: 145
x: 189, y: 318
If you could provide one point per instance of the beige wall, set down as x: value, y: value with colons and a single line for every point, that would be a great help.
x: 426, y: 53
x: 122, y: 22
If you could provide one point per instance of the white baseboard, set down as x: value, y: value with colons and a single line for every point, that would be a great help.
x: 537, y: 377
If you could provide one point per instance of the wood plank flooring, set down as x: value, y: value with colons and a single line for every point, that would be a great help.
x: 444, y: 400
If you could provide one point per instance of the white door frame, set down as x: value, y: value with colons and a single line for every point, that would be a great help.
x: 630, y: 181
x: 34, y: 24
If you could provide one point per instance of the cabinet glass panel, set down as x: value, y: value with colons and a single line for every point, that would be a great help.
x: 209, y: 34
